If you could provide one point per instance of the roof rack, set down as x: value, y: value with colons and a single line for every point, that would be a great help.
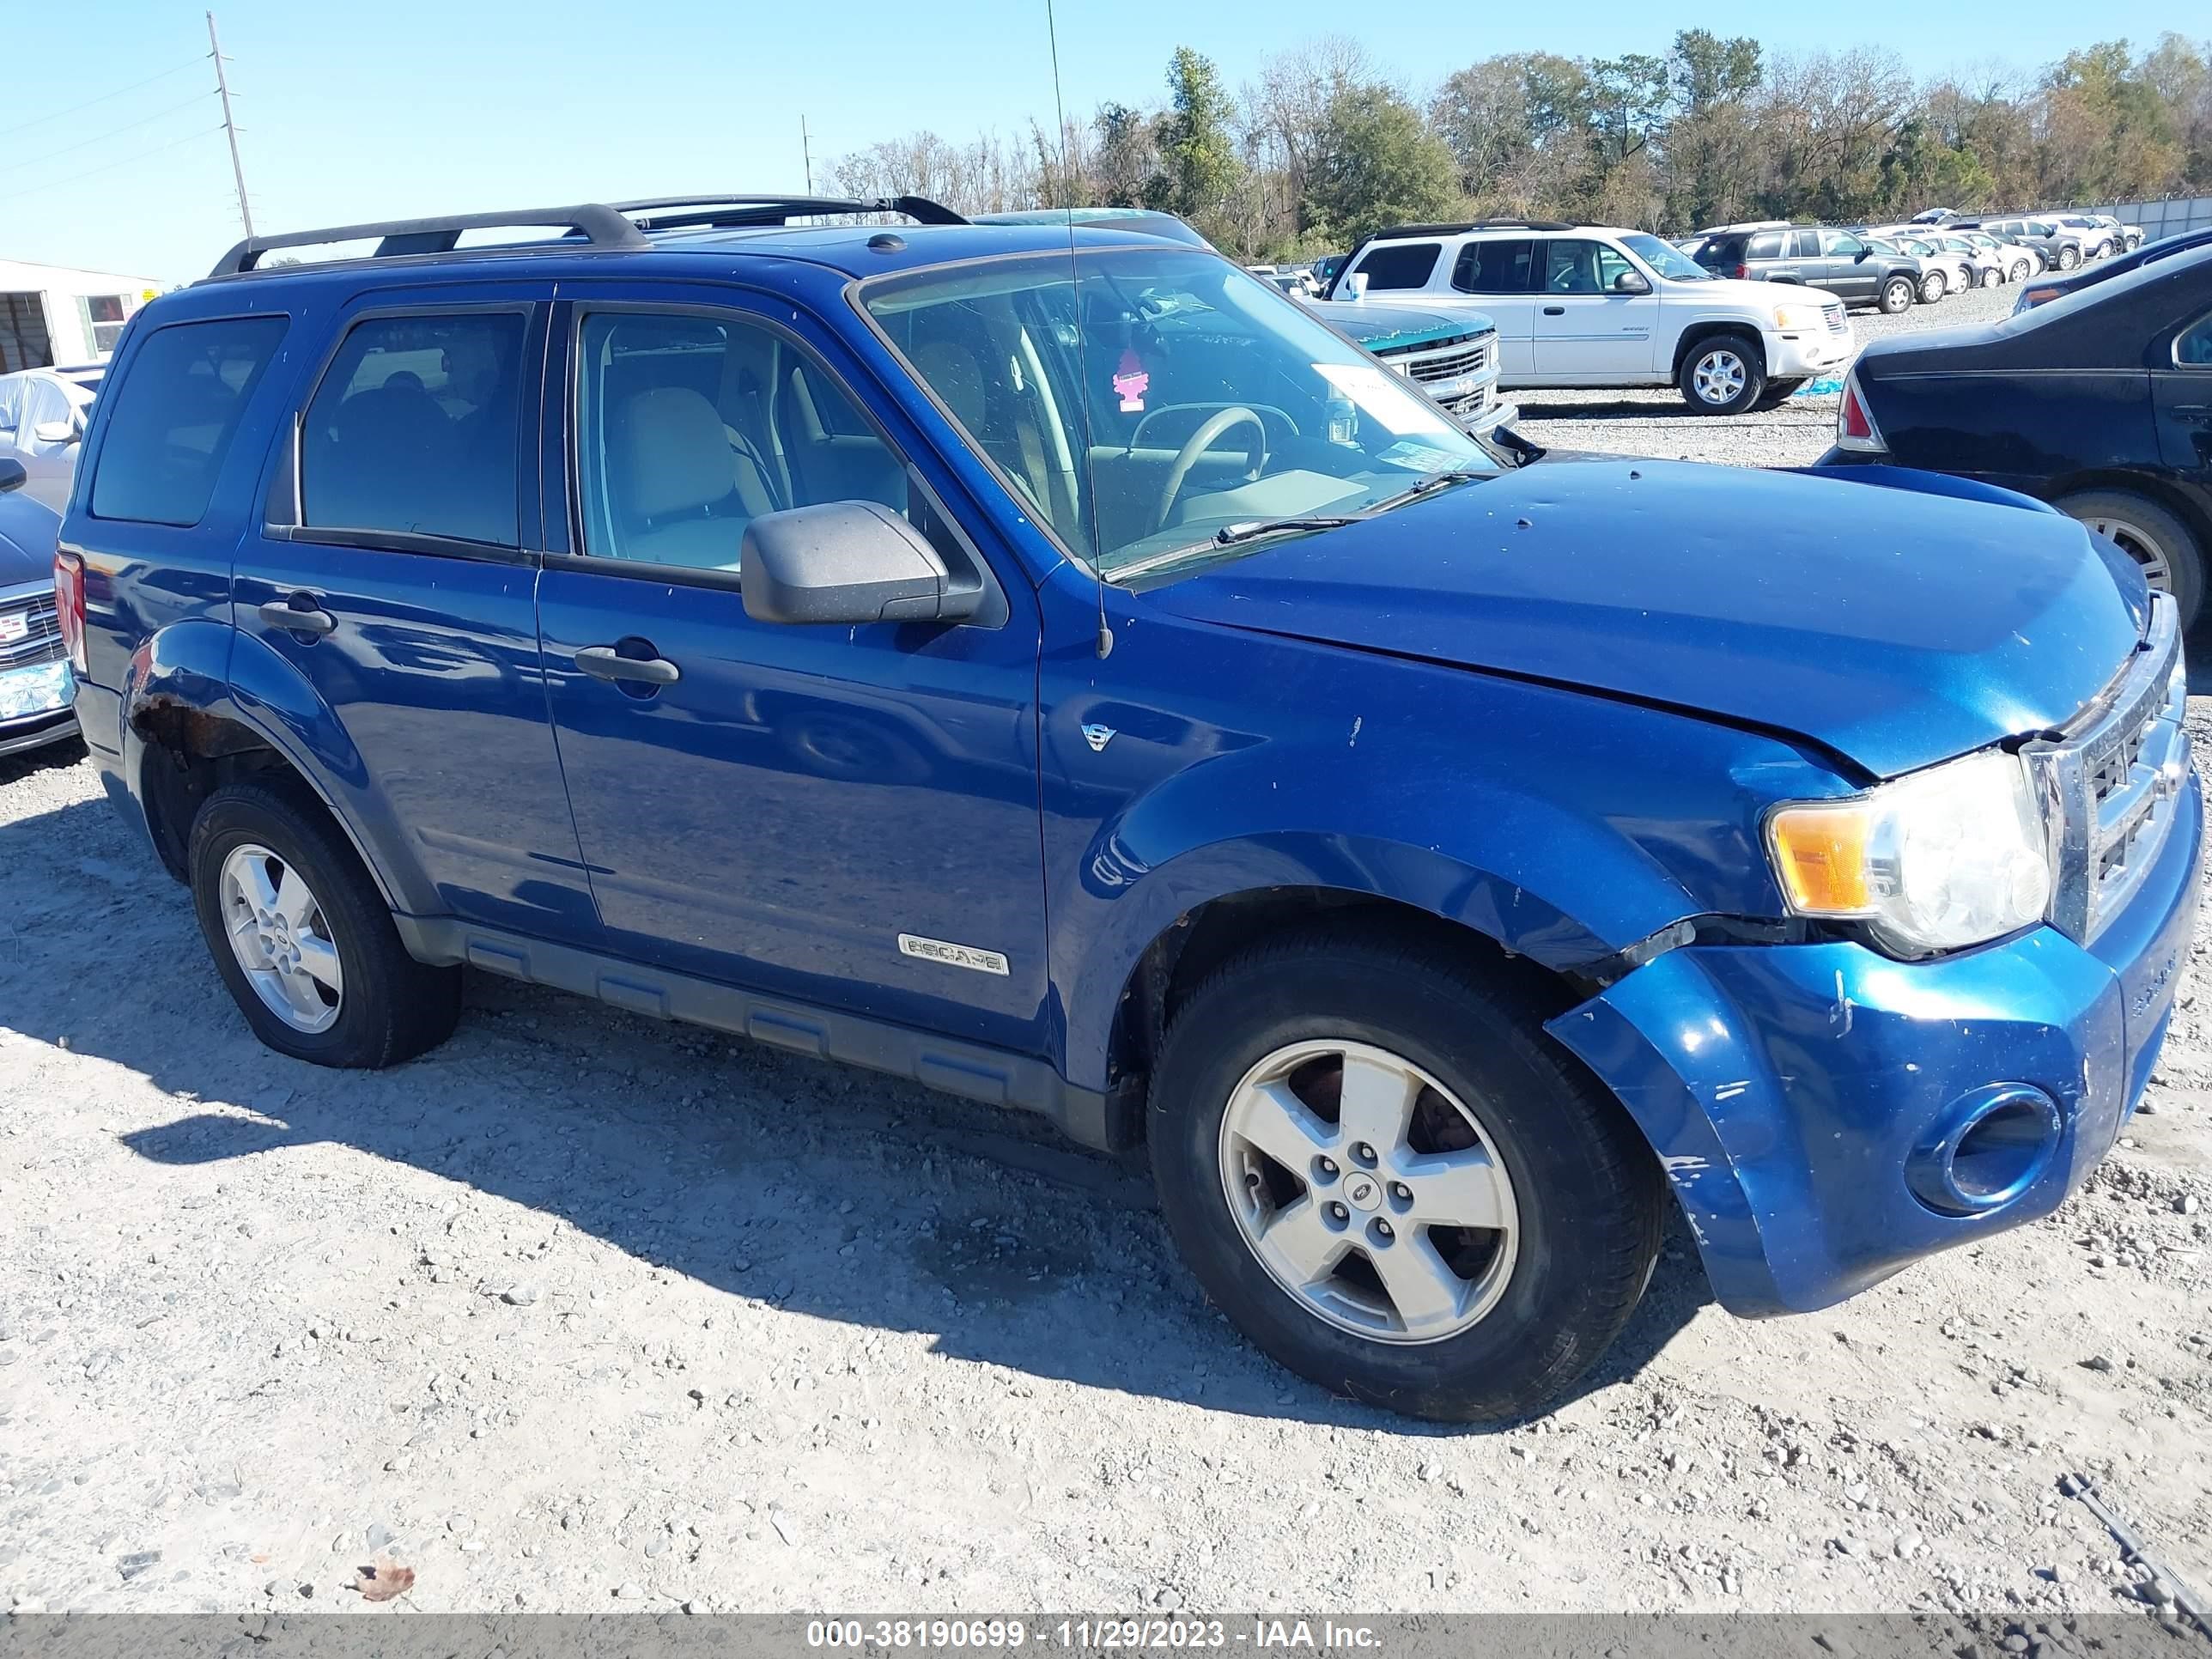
x: 1471, y: 224
x: 600, y: 226
x: 720, y: 210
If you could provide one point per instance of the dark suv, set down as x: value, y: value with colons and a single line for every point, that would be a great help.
x: 1840, y: 261
x: 1047, y: 663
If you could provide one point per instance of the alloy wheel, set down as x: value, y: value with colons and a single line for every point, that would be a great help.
x: 2139, y: 546
x: 1719, y: 377
x: 281, y: 938
x: 1368, y: 1191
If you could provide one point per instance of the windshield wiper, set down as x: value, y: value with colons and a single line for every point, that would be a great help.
x: 1433, y: 481
x: 1230, y: 536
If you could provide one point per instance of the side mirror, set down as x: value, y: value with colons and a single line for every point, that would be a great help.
x: 1862, y: 255
x: 849, y: 562
x: 1629, y: 282
x: 13, y: 474
x: 56, y: 432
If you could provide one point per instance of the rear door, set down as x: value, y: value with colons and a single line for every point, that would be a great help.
x: 396, y: 571
x: 1588, y: 332
x: 1501, y: 272
x: 1803, y: 260
x: 847, y: 816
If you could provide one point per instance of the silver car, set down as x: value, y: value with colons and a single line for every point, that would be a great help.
x: 43, y: 413
x: 2062, y: 249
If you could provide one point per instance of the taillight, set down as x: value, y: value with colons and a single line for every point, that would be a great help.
x: 1743, y: 273
x: 68, y: 607
x: 1855, y: 427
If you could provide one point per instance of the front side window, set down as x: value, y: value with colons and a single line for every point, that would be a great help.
x: 1140, y: 401
x: 176, y: 411
x: 1497, y: 267
x: 2193, y: 349
x: 691, y: 426
x: 414, y: 428
x: 1404, y: 264
x: 1573, y: 266
x: 1841, y: 245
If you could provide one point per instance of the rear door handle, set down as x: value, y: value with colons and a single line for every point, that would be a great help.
x: 300, y: 614
x: 604, y: 662
x: 1555, y: 311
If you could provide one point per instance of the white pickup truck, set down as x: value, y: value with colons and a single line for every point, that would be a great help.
x: 1588, y: 305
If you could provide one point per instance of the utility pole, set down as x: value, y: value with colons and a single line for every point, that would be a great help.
x: 806, y: 149
x: 229, y: 127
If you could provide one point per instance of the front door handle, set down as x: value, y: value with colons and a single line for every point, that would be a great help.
x: 1555, y: 311
x: 604, y: 662
x: 300, y: 614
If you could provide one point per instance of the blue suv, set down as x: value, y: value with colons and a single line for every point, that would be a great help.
x: 1045, y: 663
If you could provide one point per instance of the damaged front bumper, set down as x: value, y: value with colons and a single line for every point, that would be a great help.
x: 1807, y: 1100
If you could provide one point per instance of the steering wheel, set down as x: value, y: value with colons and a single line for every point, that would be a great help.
x: 1202, y: 440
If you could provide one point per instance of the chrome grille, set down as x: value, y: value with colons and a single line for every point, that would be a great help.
x: 1832, y: 312
x: 2110, y: 781
x: 1451, y: 357
x: 42, y: 643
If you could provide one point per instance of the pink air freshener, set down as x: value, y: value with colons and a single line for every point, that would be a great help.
x: 1130, y: 382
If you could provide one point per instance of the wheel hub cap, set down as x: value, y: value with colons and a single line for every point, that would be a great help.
x: 1368, y: 1191
x: 1719, y: 376
x: 280, y: 938
x: 2139, y: 546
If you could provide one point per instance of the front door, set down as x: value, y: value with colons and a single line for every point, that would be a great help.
x: 1850, y: 270
x: 397, y: 573
x: 843, y: 815
x: 1587, y: 330
x: 2182, y: 389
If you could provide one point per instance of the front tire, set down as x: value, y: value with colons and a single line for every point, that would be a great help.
x: 1723, y: 375
x: 1933, y: 287
x: 304, y: 940
x: 1897, y: 295
x: 2169, y: 554
x: 1385, y: 1175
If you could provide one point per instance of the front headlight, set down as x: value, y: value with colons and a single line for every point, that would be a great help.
x: 1791, y: 318
x: 1948, y: 857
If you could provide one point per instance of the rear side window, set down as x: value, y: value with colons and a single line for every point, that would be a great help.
x: 1804, y: 244
x: 416, y: 427
x: 175, y: 414
x: 1765, y: 245
x: 1495, y: 267
x: 1407, y: 265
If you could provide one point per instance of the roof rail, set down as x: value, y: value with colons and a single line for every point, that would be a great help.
x: 1471, y: 224
x: 719, y: 209
x: 602, y: 226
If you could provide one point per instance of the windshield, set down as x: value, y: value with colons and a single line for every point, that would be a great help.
x: 1182, y: 397
x: 1666, y: 260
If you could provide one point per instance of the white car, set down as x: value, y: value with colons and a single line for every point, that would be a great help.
x: 43, y: 413
x: 1949, y: 270
x: 1596, y: 306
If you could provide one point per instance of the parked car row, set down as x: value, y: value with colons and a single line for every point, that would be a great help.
x: 2095, y: 235
x: 1600, y: 306
x: 1887, y: 267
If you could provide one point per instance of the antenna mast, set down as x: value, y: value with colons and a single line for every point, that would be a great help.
x: 229, y: 128
x: 807, y: 150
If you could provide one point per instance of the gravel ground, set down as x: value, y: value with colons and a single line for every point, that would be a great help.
x: 580, y: 1312
x: 1658, y: 423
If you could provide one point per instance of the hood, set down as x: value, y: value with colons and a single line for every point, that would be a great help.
x: 1894, y: 629
x: 1731, y: 291
x: 1381, y: 326
x: 28, y: 530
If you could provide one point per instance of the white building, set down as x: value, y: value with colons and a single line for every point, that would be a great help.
x: 51, y: 314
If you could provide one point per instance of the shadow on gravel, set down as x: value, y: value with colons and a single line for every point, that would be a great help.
x: 816, y: 1189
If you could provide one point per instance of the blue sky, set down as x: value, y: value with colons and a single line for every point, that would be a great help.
x: 424, y: 105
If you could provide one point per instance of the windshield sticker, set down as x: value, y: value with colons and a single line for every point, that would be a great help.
x: 1420, y: 458
x: 1131, y: 382
x: 1381, y: 395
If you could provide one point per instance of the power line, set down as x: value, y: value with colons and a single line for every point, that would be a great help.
x: 143, y: 155
x: 103, y: 98
x: 102, y: 137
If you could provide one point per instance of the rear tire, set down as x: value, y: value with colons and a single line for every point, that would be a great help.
x: 1289, y: 1033
x: 1722, y: 374
x: 1933, y: 285
x: 2068, y: 258
x: 1897, y: 295
x: 2022, y: 269
x: 2170, y: 554
x: 313, y: 963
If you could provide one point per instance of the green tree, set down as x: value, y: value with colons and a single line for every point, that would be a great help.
x: 1377, y: 164
x: 1199, y: 168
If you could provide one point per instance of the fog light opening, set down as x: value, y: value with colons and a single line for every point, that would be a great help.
x: 2003, y: 1152
x: 1988, y: 1149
